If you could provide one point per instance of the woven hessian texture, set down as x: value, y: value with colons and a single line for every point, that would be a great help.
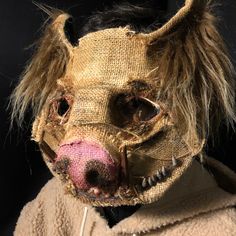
x: 102, y: 66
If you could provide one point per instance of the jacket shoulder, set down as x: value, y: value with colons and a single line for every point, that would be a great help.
x: 218, y: 223
x: 31, y: 216
x: 49, y: 213
x: 221, y: 222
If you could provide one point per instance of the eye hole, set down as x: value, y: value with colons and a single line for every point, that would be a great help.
x: 63, y: 107
x: 59, y: 109
x: 137, y: 109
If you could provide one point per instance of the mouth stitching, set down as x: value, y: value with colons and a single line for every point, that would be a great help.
x: 79, y: 193
x: 123, y: 191
x: 160, y: 176
x: 146, y: 184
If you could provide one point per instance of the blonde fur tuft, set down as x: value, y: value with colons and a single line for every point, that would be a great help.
x: 39, y: 79
x: 196, y: 74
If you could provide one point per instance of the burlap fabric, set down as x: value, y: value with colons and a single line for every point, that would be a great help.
x: 150, y: 153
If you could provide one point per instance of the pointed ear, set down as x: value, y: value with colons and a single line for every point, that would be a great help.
x: 191, y: 9
x: 196, y: 74
x: 47, y: 65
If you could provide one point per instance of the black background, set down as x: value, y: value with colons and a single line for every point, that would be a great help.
x: 22, y: 171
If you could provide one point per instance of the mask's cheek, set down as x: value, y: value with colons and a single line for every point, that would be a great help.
x: 39, y: 126
x: 158, y: 152
x: 49, y: 143
x: 48, y: 135
x: 49, y: 126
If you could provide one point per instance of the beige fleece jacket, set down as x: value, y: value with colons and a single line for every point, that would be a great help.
x: 195, y: 205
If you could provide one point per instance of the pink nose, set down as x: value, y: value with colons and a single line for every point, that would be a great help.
x: 88, y: 165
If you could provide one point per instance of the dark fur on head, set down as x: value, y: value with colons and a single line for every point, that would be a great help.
x: 144, y: 17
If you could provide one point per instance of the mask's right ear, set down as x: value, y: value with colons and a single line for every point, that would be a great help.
x: 48, y: 64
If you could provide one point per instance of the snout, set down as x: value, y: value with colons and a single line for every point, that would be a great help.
x: 88, y: 165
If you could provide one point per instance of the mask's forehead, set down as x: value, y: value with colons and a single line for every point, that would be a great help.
x: 110, y: 57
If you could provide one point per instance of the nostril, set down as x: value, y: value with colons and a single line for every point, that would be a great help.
x: 92, y: 177
x: 61, y: 166
x: 97, y: 174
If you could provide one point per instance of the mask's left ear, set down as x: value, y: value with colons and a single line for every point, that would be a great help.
x: 48, y: 64
x: 192, y: 9
x: 194, y: 69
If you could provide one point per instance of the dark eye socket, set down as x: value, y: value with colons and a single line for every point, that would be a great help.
x: 63, y: 107
x: 59, y: 109
x: 145, y: 110
x: 137, y: 109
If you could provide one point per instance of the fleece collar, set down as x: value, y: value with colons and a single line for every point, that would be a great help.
x: 195, y: 193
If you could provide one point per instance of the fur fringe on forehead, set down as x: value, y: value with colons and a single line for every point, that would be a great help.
x: 39, y: 79
x: 197, y: 75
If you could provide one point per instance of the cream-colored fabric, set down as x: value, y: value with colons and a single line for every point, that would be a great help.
x: 194, y: 205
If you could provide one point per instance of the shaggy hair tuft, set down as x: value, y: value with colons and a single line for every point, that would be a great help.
x: 39, y: 79
x: 197, y: 75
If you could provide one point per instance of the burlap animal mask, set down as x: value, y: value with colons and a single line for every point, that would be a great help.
x: 120, y: 116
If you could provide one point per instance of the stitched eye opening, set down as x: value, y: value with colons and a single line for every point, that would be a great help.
x: 59, y: 109
x: 63, y: 107
x: 133, y: 109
